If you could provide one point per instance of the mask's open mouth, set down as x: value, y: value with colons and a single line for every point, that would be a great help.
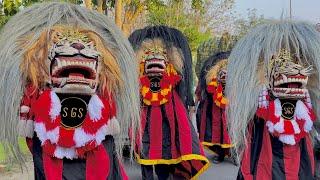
x: 222, y: 76
x: 291, y: 86
x: 155, y: 66
x: 75, y: 70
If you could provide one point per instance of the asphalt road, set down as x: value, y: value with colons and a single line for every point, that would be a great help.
x: 222, y: 171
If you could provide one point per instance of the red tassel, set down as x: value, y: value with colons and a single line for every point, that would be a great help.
x: 288, y: 128
x: 66, y: 138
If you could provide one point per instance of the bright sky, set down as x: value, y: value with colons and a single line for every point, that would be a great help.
x: 308, y: 10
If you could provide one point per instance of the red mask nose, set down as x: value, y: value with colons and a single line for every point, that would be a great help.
x: 78, y: 46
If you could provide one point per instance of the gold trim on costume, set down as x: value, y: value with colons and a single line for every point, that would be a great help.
x: 176, y: 161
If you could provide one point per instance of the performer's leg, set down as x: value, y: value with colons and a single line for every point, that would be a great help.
x: 162, y: 171
x: 221, y: 153
x: 147, y: 172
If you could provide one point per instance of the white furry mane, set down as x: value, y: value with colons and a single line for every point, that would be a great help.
x: 251, y: 55
x: 32, y: 22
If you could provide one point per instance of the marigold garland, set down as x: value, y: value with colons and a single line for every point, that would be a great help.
x: 215, y: 88
x: 168, y: 81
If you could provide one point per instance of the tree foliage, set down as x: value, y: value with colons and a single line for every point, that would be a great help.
x: 11, y: 7
x: 212, y: 46
x: 199, y: 20
x: 245, y: 24
x: 187, y: 17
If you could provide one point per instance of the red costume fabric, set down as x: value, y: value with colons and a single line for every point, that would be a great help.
x: 279, y: 148
x: 168, y: 137
x: 56, y: 155
x: 211, y: 120
x: 266, y: 157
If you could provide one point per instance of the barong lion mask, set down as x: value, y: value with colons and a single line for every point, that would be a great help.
x: 72, y: 51
x: 158, y: 71
x: 288, y: 78
x: 74, y: 62
x: 275, y: 65
x: 155, y: 61
x: 77, y: 62
x: 155, y: 58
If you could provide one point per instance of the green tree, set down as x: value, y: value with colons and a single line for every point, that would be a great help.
x: 180, y: 15
x: 11, y: 7
x: 245, y: 24
x: 212, y: 46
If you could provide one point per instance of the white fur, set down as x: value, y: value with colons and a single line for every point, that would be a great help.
x: 263, y: 103
x: 308, y: 125
x: 43, y: 134
x: 53, y: 135
x: 270, y: 126
x: 278, y: 108
x: 111, y: 128
x: 101, y: 134
x: 295, y: 126
x: 81, y: 138
x: 40, y: 129
x: 95, y: 107
x: 287, y: 139
x: 265, y: 91
x: 279, y: 126
x: 62, y: 152
x: 55, y: 106
x: 24, y: 109
x: 308, y: 100
x: 302, y: 112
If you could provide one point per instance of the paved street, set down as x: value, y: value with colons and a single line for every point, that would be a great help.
x: 223, y: 171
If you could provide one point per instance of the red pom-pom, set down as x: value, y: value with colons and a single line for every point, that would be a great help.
x: 66, y: 137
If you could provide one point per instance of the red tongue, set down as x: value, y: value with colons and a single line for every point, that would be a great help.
x: 78, y: 75
x: 293, y: 85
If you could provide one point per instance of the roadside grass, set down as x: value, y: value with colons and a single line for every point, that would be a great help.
x: 23, y: 146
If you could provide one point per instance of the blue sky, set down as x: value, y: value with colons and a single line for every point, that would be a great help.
x: 308, y: 10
